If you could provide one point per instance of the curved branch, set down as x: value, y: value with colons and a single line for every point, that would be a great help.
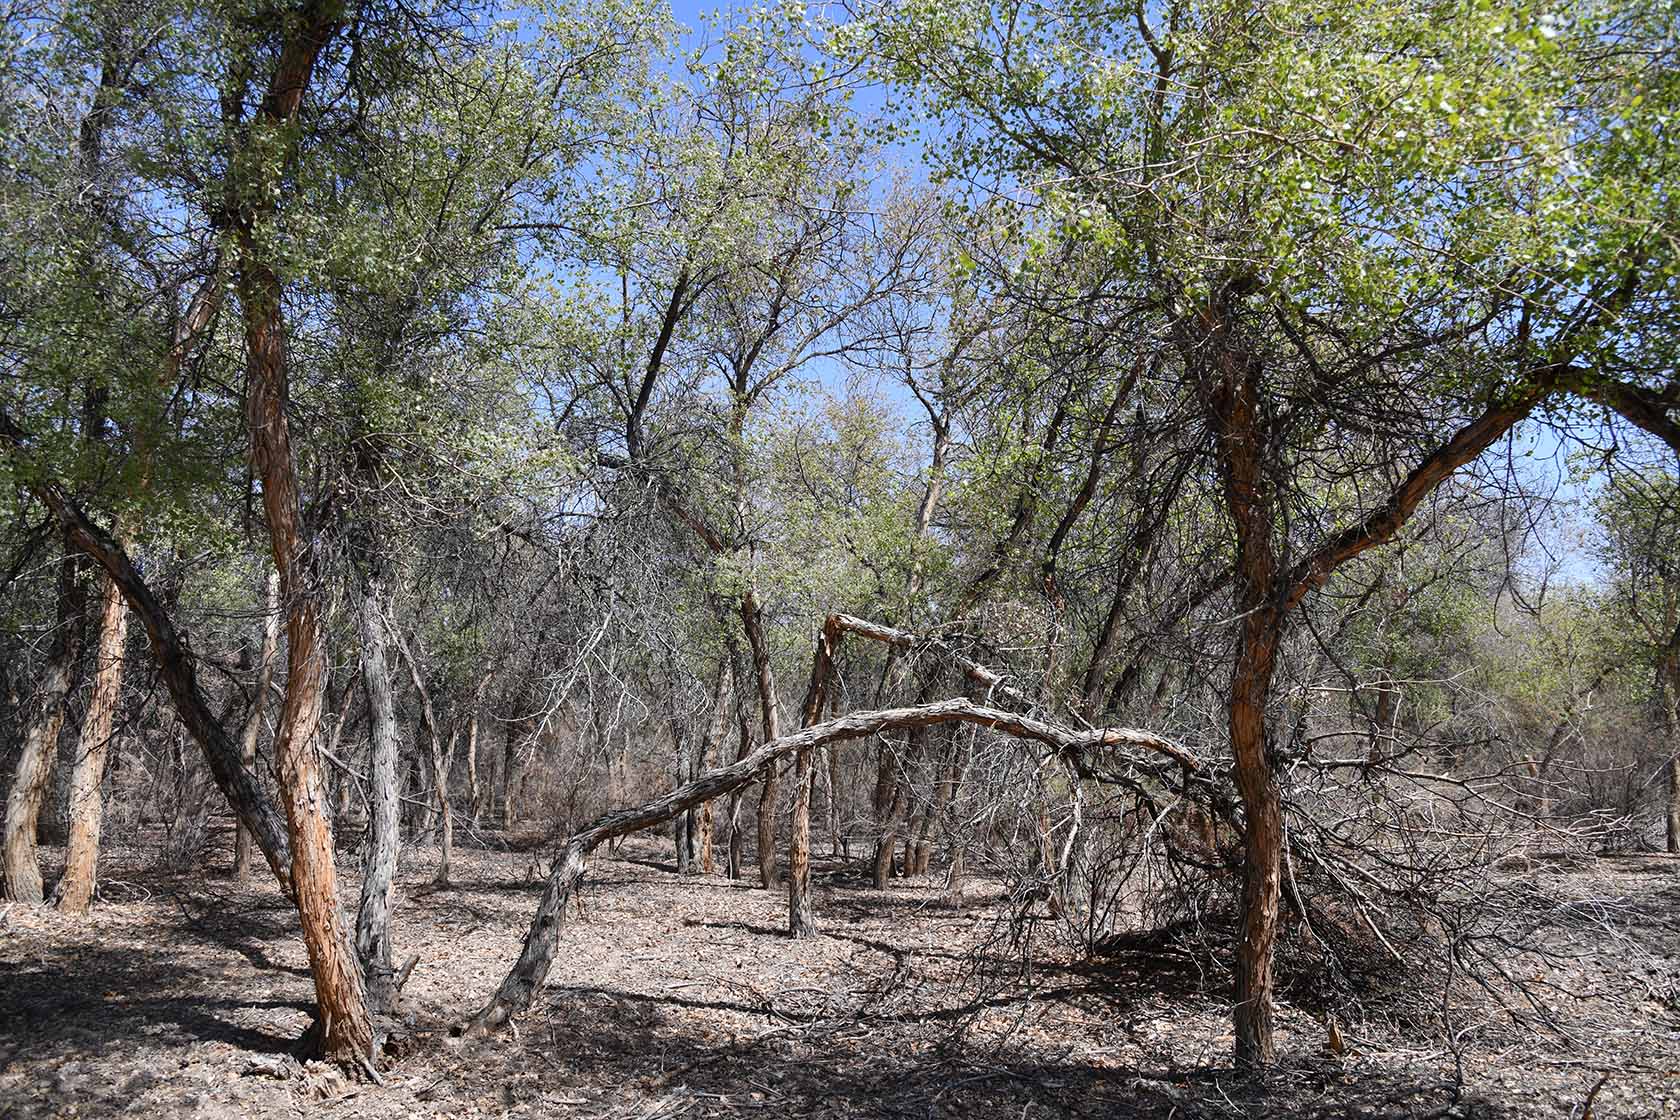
x: 529, y: 972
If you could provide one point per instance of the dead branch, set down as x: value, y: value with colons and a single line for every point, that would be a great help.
x: 529, y: 972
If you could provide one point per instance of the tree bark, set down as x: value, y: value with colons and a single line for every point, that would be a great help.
x: 890, y: 801
x: 1669, y: 685
x: 259, y: 708
x: 802, y: 917
x: 475, y: 792
x: 752, y: 620
x: 440, y: 763
x: 344, y: 1029
x: 697, y: 824
x: 379, y: 863
x: 737, y: 853
x: 20, y: 869
x: 81, y: 860
x: 944, y: 792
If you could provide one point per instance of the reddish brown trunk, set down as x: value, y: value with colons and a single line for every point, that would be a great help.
x: 1234, y: 404
x: 343, y: 1028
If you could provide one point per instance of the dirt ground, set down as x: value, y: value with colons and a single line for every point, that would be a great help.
x: 181, y: 995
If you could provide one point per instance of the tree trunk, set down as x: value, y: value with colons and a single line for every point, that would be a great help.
x: 1670, y: 688
x: 379, y: 863
x: 737, y: 853
x: 345, y: 1030
x: 836, y: 842
x: 802, y: 918
x: 1673, y: 834
x: 1234, y: 401
x: 473, y: 790
x: 1262, y: 842
x: 1668, y: 696
x: 259, y: 708
x: 81, y: 860
x: 440, y: 764
x: 698, y: 822
x: 944, y: 790
x: 504, y: 778
x: 20, y: 870
x: 752, y: 620
x: 887, y: 817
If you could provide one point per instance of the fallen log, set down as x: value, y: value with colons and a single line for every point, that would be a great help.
x: 542, y: 940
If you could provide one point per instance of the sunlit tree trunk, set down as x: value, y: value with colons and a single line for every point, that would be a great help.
x: 20, y: 870
x: 87, y: 810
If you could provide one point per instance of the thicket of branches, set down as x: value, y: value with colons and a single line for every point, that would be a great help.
x: 490, y: 419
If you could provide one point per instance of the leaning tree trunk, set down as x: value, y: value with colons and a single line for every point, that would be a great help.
x: 20, y: 870
x: 81, y: 860
x: 259, y: 708
x: 542, y: 939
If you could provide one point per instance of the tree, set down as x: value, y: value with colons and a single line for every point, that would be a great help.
x: 1318, y: 210
x: 1638, y: 516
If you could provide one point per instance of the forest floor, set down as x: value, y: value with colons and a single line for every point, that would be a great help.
x: 181, y: 995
